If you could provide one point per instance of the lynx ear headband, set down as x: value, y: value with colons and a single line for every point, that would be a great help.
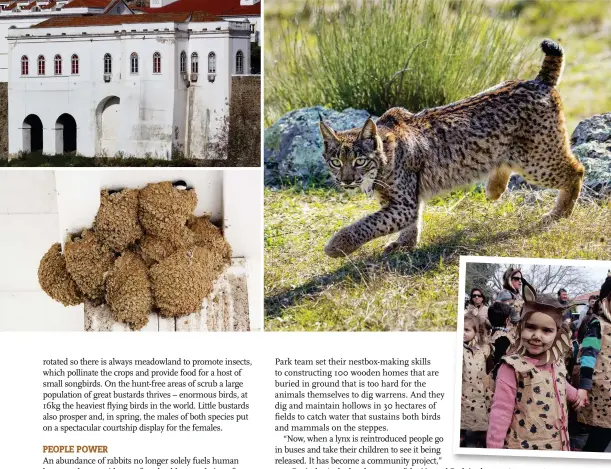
x: 552, y: 308
x: 605, y: 308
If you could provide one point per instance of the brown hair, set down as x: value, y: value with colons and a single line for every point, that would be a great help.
x: 479, y: 327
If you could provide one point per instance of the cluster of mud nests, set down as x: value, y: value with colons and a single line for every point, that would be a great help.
x: 145, y: 252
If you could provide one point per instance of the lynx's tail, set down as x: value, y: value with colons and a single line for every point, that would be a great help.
x: 552, y: 63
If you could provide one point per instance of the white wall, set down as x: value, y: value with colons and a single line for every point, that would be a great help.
x: 180, y: 92
x: 38, y: 208
x: 152, y: 106
x: 5, y: 24
x: 243, y: 44
x: 79, y: 192
x: 208, y: 101
x: 161, y: 3
x: 29, y: 225
x: 146, y: 106
x: 27, y: 18
x: 243, y: 221
x: 256, y: 20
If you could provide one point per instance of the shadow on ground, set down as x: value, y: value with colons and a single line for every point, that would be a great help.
x: 445, y: 250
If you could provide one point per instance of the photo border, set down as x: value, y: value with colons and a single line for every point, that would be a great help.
x: 456, y: 448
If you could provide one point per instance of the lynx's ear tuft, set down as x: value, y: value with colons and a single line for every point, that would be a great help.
x: 328, y: 134
x: 369, y: 130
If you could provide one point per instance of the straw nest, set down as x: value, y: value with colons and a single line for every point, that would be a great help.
x: 55, y: 279
x: 88, y: 261
x: 145, y: 252
x: 116, y: 225
x: 128, y: 290
x: 164, y: 209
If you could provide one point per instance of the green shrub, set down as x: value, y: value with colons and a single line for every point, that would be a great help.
x: 346, y: 55
x: 40, y: 159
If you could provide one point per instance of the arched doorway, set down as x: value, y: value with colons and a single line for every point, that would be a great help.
x: 65, y: 134
x: 107, y: 123
x: 32, y: 133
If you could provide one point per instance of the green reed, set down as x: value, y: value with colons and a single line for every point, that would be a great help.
x: 345, y: 54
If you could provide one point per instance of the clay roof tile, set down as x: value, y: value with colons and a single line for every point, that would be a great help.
x: 107, y: 20
x: 88, y: 4
x: 212, y: 7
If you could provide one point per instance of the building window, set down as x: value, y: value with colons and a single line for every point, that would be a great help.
x: 75, y: 64
x: 58, y: 64
x: 107, y: 64
x: 183, y: 62
x: 41, y: 65
x: 156, y: 62
x: 239, y: 63
x: 194, y: 63
x: 211, y: 62
x: 25, y: 65
x: 134, y: 63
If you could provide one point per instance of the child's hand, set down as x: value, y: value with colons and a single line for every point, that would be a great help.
x: 582, y: 399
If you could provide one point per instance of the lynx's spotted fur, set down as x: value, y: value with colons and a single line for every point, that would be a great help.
x: 517, y: 126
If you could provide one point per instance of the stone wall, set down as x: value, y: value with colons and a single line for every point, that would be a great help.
x: 245, y: 121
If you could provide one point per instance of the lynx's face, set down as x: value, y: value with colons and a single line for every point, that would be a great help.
x: 353, y: 157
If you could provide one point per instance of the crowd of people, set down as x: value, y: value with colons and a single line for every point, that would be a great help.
x: 535, y: 375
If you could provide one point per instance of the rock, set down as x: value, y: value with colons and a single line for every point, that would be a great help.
x: 293, y: 145
x: 518, y: 182
x: 591, y: 143
x: 596, y: 128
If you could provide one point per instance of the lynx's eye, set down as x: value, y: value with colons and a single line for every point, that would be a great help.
x: 335, y: 162
x: 360, y: 162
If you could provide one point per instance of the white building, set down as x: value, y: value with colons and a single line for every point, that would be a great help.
x: 28, y: 13
x: 227, y: 9
x: 121, y: 83
x: 23, y: 14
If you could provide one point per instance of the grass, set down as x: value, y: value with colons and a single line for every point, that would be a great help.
x: 584, y: 29
x: 353, y: 55
x: 305, y: 290
x: 42, y: 160
x: 293, y: 30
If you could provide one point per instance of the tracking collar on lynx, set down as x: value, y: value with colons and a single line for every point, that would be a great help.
x: 406, y: 158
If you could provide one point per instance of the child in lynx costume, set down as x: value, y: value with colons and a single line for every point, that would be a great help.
x: 595, y: 374
x: 477, y: 355
x: 529, y: 409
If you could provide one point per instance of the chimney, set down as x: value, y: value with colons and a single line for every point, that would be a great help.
x: 161, y: 3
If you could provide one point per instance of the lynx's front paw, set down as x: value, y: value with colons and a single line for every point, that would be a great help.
x: 551, y: 217
x: 407, y: 241
x: 396, y: 247
x: 341, y: 244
